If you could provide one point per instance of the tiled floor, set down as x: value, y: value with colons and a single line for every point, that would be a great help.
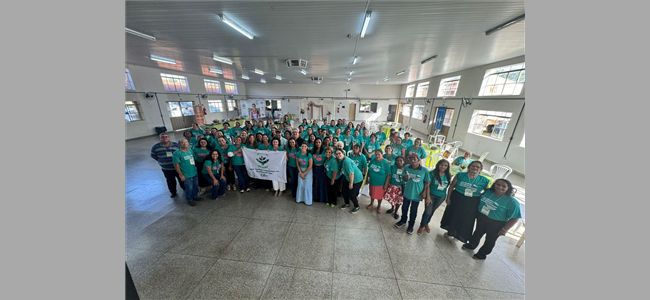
x: 256, y: 246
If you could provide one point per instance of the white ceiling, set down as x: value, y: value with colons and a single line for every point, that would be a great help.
x: 399, y: 36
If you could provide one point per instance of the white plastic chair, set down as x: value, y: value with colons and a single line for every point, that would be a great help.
x: 483, y: 156
x: 439, y: 141
x: 455, y: 144
x: 408, y: 128
x: 499, y: 171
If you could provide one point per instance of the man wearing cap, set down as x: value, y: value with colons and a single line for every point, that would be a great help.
x: 417, y: 181
x: 162, y: 153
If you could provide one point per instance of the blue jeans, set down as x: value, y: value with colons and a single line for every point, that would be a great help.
x: 217, y: 190
x: 436, y: 201
x: 242, y: 176
x: 191, y: 188
x: 405, y: 212
x: 293, y: 173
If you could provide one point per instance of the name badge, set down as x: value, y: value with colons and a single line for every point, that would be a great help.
x: 191, y: 161
x: 485, y: 210
x: 399, y: 171
x: 441, y: 187
x: 170, y: 154
x: 469, y: 192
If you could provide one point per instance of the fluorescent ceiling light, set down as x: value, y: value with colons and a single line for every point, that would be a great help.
x: 244, y: 76
x: 386, y: 79
x: 354, y: 62
x: 506, y: 24
x: 162, y: 59
x: 216, y: 71
x: 238, y: 27
x: 400, y: 72
x: 350, y: 73
x: 365, y: 23
x: 348, y: 82
x: 349, y: 79
x: 140, y: 34
x: 290, y: 81
x: 377, y: 82
x: 428, y: 59
x: 259, y: 72
x: 303, y: 72
x: 278, y: 77
x: 222, y: 59
x: 262, y: 80
x: 318, y: 82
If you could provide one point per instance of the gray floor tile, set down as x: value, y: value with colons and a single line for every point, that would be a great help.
x: 418, y: 290
x: 514, y: 257
x: 292, y: 283
x: 275, y: 209
x: 364, y: 219
x: 346, y: 286
x: 232, y: 280
x: 210, y: 238
x: 308, y: 246
x: 137, y: 220
x: 140, y: 261
x: 164, y: 233
x: 316, y: 214
x: 362, y: 252
x: 236, y: 205
x: 484, y: 294
x: 174, y: 276
x: 259, y: 241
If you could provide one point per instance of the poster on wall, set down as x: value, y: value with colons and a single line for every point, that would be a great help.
x: 253, y: 109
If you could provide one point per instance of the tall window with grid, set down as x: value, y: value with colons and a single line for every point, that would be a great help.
x: 212, y: 86
x: 448, y: 87
x: 175, y: 83
x: 492, y: 124
x: 449, y: 113
x: 507, y: 80
x: 129, y: 81
x: 418, y: 112
x: 231, y: 88
x: 231, y: 105
x: 410, y: 90
x: 132, y: 113
x: 423, y: 89
x: 406, y: 110
x: 215, y: 106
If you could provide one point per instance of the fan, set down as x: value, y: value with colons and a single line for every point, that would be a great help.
x: 204, y: 96
x: 149, y: 95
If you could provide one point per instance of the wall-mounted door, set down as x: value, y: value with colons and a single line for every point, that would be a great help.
x: 352, y: 111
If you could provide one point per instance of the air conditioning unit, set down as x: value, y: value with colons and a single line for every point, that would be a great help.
x: 296, y: 63
x: 316, y: 78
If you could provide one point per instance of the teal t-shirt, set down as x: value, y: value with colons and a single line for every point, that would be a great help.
x: 319, y: 159
x: 349, y: 167
x: 303, y: 160
x: 215, y: 168
x: 235, y: 131
x: 261, y: 146
x: 292, y: 157
x: 408, y: 143
x: 238, y: 158
x: 347, y: 140
x: 396, y: 175
x: 186, y: 162
x: 398, y: 150
x: 196, y: 132
x: 501, y: 208
x: 377, y: 171
x: 437, y: 188
x: 357, y: 139
x: 279, y: 149
x: 476, y: 185
x: 371, y: 147
x: 462, y: 161
x: 200, y: 155
x: 249, y: 146
x: 419, y: 151
x: 331, y: 166
x: 310, y: 146
x: 381, y: 136
x: 224, y: 153
x: 360, y: 161
x: 332, y: 129
x: 415, y: 184
x: 390, y: 158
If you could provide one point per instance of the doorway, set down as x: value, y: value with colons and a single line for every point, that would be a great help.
x: 391, y: 113
x: 352, y: 111
x: 181, y: 114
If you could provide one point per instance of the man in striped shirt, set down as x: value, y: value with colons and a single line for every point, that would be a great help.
x: 163, y: 153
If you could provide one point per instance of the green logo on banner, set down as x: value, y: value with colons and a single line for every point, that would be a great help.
x: 262, y: 160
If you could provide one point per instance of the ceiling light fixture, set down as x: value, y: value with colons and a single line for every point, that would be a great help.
x: 506, y: 24
x: 222, y: 59
x: 303, y: 72
x: 278, y: 77
x: 400, y: 72
x: 262, y: 80
x: 349, y: 79
x: 140, y: 34
x: 377, y: 82
x: 162, y: 59
x: 365, y: 23
x: 348, y: 82
x: 237, y: 27
x: 259, y: 72
x: 244, y: 76
x: 350, y: 73
x: 386, y: 79
x: 428, y: 59
x: 290, y: 81
x: 216, y: 71
x: 354, y: 62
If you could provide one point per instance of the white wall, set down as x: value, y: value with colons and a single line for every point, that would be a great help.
x: 469, y: 86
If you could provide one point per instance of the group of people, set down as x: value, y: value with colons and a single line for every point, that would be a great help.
x: 330, y: 161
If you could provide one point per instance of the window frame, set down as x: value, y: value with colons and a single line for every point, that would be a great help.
x: 177, y: 85
x: 218, y: 106
x: 451, y: 117
x: 422, y: 84
x: 404, y: 108
x: 415, y: 112
x: 484, y: 116
x: 278, y: 104
x: 412, y: 87
x: 365, y: 107
x: 129, y: 85
x: 136, y: 107
x: 495, y: 74
x: 232, y: 104
x: 226, y: 84
x: 213, y: 83
x: 444, y: 88
x: 180, y: 107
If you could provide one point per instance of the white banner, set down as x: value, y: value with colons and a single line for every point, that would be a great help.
x: 253, y: 109
x: 267, y: 165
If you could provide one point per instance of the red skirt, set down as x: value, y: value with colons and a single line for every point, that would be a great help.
x: 394, y: 195
x: 376, y: 192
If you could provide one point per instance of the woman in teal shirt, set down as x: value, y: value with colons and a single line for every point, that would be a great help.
x: 305, y: 163
x: 333, y: 176
x: 291, y: 166
x: 408, y: 142
x: 213, y: 173
x: 278, y: 186
x: 320, y: 178
x: 416, y: 188
x: 370, y: 147
x: 466, y: 159
x: 378, y: 178
x: 394, y: 192
x: 357, y: 138
x: 310, y: 141
x: 358, y: 159
x: 223, y: 149
x: 237, y: 161
x: 347, y: 140
x: 352, y: 179
x: 498, y: 211
x: 389, y: 156
x: 465, y: 193
x: 399, y: 148
x: 196, y: 130
x: 200, y: 153
x: 259, y: 183
x: 417, y: 149
x: 440, y: 179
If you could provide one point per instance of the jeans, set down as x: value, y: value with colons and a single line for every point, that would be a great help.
x: 171, y: 176
x: 350, y: 194
x: 293, y: 173
x: 217, y: 190
x: 405, y: 212
x: 191, y: 188
x: 242, y: 176
x: 436, y: 201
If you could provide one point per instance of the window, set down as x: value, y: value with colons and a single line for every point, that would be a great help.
x: 448, y: 87
x: 406, y: 110
x: 365, y: 107
x: 180, y: 109
x: 231, y: 105
x: 215, y: 106
x: 409, y: 91
x: 449, y: 113
x: 129, y: 81
x: 175, y: 83
x: 523, y: 141
x: 212, y: 86
x: 504, y: 81
x: 231, y: 88
x: 132, y: 112
x: 273, y: 104
x: 418, y: 112
x: 491, y: 124
x: 423, y: 89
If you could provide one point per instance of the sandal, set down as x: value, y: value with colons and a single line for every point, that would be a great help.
x: 428, y: 228
x: 248, y: 189
x: 378, y: 210
x: 369, y: 206
x: 228, y: 187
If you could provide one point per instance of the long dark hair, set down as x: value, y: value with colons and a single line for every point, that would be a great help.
x: 219, y: 159
x: 295, y: 145
x: 322, y: 148
x: 254, y: 141
x: 436, y: 171
x: 509, y: 192
x: 207, y: 144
